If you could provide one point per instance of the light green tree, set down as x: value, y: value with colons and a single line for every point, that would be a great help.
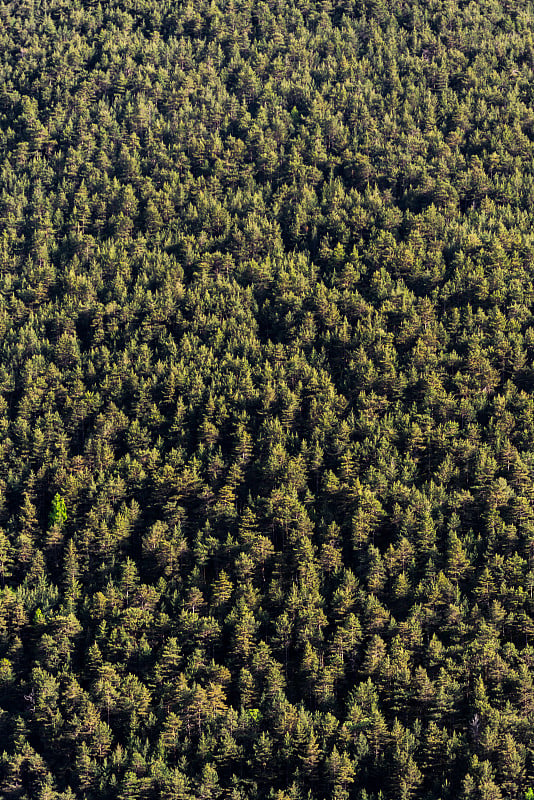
x: 58, y: 510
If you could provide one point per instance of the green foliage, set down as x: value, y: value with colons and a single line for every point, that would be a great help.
x: 266, y: 322
x: 58, y: 510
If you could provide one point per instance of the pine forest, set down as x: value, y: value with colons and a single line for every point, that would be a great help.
x: 266, y: 400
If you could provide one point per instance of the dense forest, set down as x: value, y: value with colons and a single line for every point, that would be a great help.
x: 266, y: 400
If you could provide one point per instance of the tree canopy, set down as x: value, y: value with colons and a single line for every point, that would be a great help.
x: 266, y: 400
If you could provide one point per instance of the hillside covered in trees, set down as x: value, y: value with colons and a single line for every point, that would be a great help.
x: 266, y: 400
